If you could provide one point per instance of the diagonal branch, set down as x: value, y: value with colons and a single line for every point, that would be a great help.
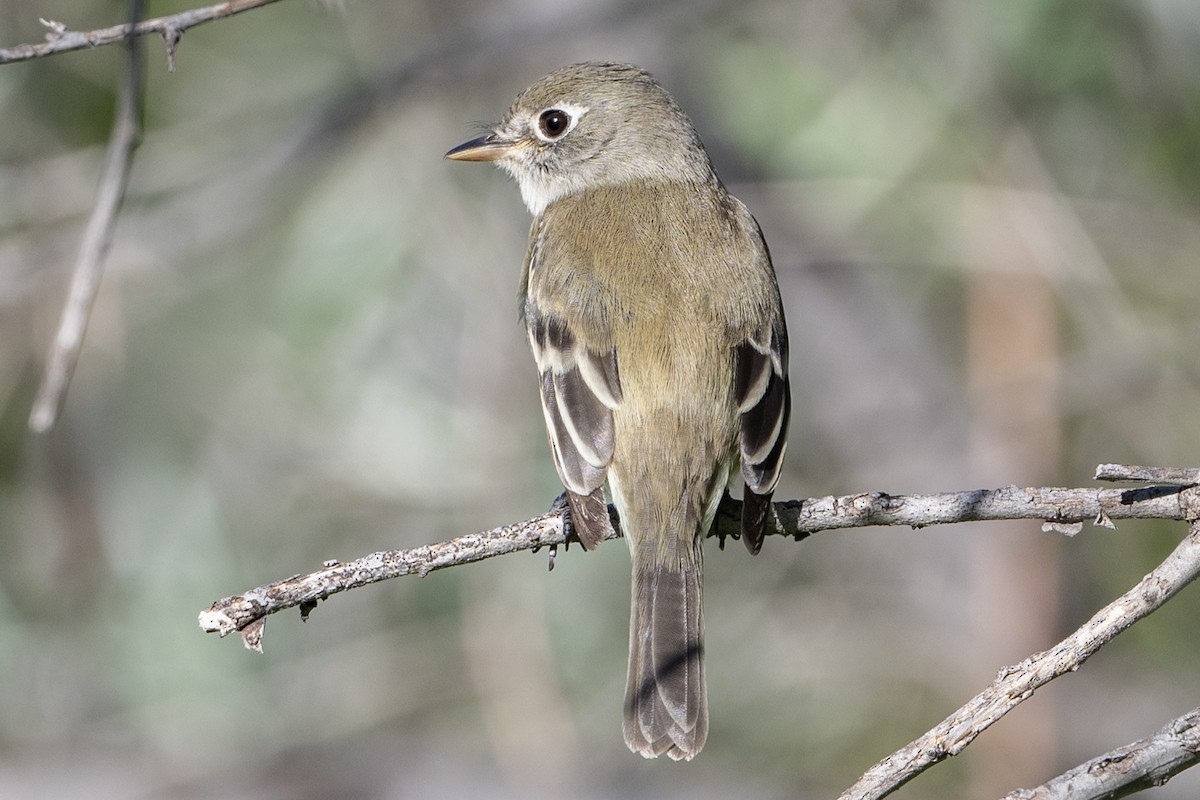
x: 61, y: 40
x: 793, y: 518
x: 1141, y: 765
x: 1017, y: 683
x: 97, y: 238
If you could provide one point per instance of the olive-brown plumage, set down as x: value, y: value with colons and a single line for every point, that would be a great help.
x: 656, y: 325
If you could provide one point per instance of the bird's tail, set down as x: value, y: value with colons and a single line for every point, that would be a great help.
x: 666, y: 703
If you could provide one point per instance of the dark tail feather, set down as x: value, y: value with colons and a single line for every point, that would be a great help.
x: 666, y: 704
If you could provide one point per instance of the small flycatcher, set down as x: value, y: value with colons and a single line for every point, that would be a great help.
x: 655, y: 320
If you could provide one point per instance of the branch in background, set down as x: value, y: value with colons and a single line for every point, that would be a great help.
x: 171, y: 28
x: 1142, y: 765
x: 114, y: 176
x: 97, y: 238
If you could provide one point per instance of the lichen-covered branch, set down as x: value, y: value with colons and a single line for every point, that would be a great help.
x: 238, y: 612
x: 1062, y: 507
x: 1175, y: 476
x: 1141, y: 765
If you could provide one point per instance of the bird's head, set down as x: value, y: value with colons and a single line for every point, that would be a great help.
x: 586, y: 126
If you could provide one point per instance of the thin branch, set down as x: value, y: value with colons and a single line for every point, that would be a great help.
x: 792, y: 518
x: 1176, y: 476
x: 1141, y: 765
x: 1017, y: 683
x: 238, y: 612
x: 1060, y: 507
x: 97, y: 238
x: 61, y: 40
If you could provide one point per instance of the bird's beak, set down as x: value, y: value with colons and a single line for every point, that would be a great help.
x: 485, y: 148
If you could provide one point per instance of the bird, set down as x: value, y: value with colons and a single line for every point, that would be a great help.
x: 656, y: 324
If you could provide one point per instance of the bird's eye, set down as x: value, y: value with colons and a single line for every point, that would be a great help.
x: 554, y: 122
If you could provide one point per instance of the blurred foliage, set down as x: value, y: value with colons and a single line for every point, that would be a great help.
x: 306, y: 347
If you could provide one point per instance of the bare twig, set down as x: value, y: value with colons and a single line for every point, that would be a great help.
x: 238, y: 612
x: 1141, y: 765
x: 792, y: 518
x: 89, y: 264
x: 247, y: 612
x: 1017, y: 683
x: 1175, y: 476
x: 800, y: 518
x: 61, y: 40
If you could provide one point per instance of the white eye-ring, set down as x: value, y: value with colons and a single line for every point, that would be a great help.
x: 553, y: 123
x: 557, y: 121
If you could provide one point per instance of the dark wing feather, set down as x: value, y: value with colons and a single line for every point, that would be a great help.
x: 580, y: 389
x: 764, y: 400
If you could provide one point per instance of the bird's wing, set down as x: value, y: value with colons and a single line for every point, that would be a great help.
x: 580, y: 389
x: 764, y: 402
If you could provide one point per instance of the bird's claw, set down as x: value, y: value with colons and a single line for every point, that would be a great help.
x: 562, y: 507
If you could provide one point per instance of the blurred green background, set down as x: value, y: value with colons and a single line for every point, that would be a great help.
x: 984, y: 220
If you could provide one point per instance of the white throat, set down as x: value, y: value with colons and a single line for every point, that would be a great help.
x: 539, y: 190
